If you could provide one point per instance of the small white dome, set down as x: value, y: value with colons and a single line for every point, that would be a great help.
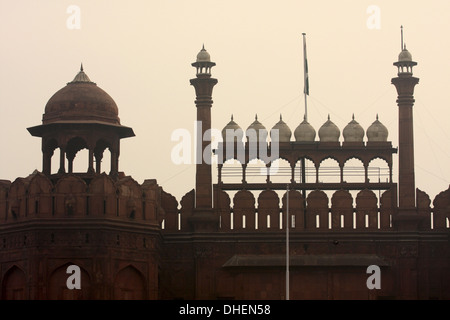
x: 284, y: 132
x: 377, y: 131
x: 203, y: 56
x: 258, y: 128
x: 234, y: 129
x: 353, y: 132
x: 304, y: 132
x: 405, y: 55
x: 329, y: 132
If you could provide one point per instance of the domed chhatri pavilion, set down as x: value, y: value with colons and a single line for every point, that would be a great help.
x: 224, y: 240
x: 81, y: 115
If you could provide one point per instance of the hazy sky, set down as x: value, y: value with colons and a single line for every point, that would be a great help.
x: 140, y: 52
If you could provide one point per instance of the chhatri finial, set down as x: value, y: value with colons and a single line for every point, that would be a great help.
x: 328, y: 116
x: 256, y: 117
x: 203, y: 47
x: 353, y: 116
x: 231, y: 117
x: 377, y: 116
x: 281, y: 118
x: 81, y: 76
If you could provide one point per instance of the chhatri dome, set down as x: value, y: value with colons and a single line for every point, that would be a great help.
x: 353, y: 132
x: 329, y: 132
x: 377, y: 131
x: 234, y: 129
x: 284, y: 132
x: 81, y: 100
x: 203, y: 55
x: 258, y: 129
x: 405, y: 55
x: 304, y: 132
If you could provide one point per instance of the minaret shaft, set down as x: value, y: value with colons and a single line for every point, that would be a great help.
x: 407, y: 217
x: 203, y: 218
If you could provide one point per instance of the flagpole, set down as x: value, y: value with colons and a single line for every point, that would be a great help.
x: 287, y: 242
x: 305, y: 78
x: 306, y: 93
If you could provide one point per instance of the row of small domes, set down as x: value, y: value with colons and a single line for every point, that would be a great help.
x: 328, y: 132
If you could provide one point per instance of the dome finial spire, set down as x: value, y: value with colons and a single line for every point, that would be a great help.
x: 81, y: 76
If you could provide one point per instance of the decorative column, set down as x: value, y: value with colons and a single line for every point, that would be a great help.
x: 91, y: 161
x: 62, y: 155
x: 98, y: 161
x: 114, y: 163
x: 47, y: 162
x: 70, y: 156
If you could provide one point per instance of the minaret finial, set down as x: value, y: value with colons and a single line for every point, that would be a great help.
x: 231, y: 117
x: 256, y: 117
x: 377, y: 116
x: 203, y: 46
x: 328, y: 116
x: 281, y: 118
x: 81, y: 68
x: 353, y: 116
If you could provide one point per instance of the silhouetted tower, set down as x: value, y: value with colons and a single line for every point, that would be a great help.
x: 203, y: 85
x: 405, y: 83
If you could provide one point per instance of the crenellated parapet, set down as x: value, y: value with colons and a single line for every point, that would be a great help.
x: 72, y: 197
x: 320, y: 211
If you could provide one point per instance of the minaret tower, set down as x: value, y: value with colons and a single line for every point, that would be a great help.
x: 405, y: 83
x: 203, y: 84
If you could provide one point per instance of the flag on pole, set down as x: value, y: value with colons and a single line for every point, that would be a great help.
x: 305, y: 67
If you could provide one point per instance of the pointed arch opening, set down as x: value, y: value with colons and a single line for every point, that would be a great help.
x: 129, y: 284
x: 378, y: 170
x: 57, y: 284
x: 329, y: 171
x: 306, y: 173
x: 102, y: 159
x: 77, y: 155
x: 354, y: 170
x: 14, y: 284
x: 256, y: 171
